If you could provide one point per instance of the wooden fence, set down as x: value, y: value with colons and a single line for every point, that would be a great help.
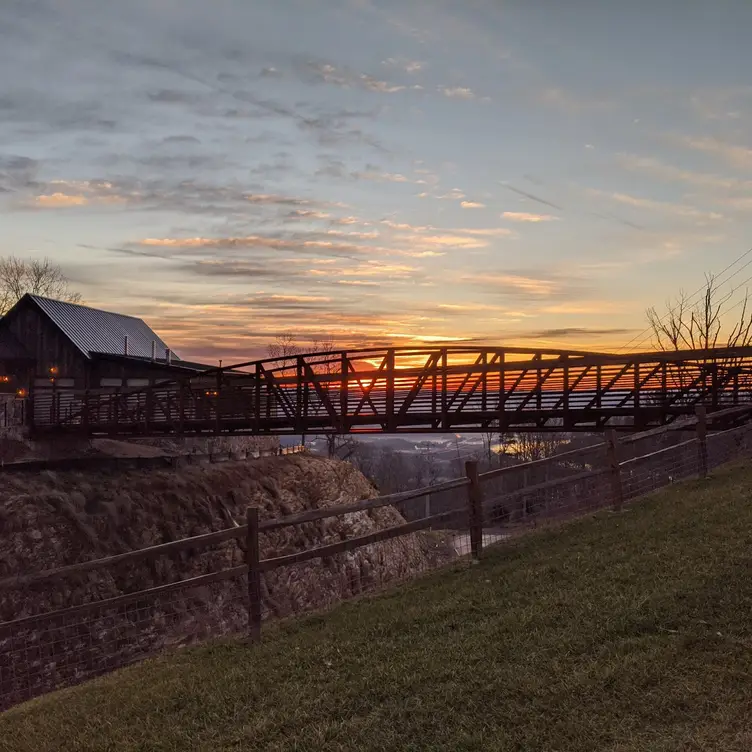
x: 606, y: 468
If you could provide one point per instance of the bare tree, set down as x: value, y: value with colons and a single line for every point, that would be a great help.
x: 533, y: 445
x: 704, y: 324
x: 38, y: 277
x: 708, y: 323
x: 393, y: 473
x: 342, y: 446
x: 426, y: 468
x: 284, y: 348
x: 497, y: 445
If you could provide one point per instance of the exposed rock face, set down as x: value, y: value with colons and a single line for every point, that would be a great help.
x: 54, y: 519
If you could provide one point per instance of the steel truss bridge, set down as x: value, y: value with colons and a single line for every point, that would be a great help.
x: 412, y: 390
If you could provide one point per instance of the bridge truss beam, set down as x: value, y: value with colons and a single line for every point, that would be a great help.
x: 408, y: 390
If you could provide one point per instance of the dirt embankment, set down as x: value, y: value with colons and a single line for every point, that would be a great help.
x: 52, y: 519
x: 57, y: 518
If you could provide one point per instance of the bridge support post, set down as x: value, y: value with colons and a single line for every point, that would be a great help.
x: 612, y: 458
x: 252, y: 560
x: 474, y: 509
x: 702, y: 441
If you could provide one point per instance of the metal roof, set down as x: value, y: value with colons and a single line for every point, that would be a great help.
x: 93, y: 331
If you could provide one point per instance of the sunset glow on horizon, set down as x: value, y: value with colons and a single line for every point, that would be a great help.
x: 378, y: 173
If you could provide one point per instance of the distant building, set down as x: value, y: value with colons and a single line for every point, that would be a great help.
x: 74, y: 347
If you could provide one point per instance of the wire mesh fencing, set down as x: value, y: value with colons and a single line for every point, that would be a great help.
x: 527, y: 495
x: 322, y: 582
x: 62, y: 630
x: 725, y: 446
x: 347, y: 552
x: 644, y: 474
x: 514, y: 511
x: 45, y: 651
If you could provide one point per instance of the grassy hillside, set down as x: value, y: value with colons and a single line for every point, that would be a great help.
x: 628, y: 632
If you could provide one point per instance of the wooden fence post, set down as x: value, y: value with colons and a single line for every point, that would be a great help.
x: 702, y: 440
x: 612, y: 456
x: 252, y: 559
x: 475, y: 509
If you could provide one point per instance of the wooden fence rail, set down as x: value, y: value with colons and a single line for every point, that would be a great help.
x: 469, y: 516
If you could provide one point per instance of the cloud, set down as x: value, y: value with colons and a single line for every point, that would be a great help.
x: 498, y: 232
x: 444, y: 242
x: 592, y: 308
x: 320, y: 71
x: 60, y: 200
x: 403, y: 64
x: 181, y: 140
x: 186, y: 196
x: 172, y: 96
x: 387, y: 177
x: 358, y: 282
x: 454, y: 195
x: 266, y: 198
x: 527, y: 217
x: 524, y: 284
x: 473, y: 308
x: 240, y: 270
x: 457, y: 92
x: 534, y: 286
x: 577, y: 332
x: 659, y: 169
x: 665, y: 207
x: 75, y: 193
x: 284, y: 302
x: 378, y: 269
x: 735, y: 155
x: 309, y: 214
x: 301, y: 244
x: 472, y: 205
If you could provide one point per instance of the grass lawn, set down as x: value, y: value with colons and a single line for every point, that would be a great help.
x: 619, y: 632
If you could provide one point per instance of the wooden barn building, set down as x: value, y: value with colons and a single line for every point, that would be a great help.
x: 77, y: 347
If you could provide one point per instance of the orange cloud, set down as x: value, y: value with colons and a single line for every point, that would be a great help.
x: 447, y: 241
x: 55, y: 200
x: 524, y: 284
x: 528, y: 217
x: 472, y: 205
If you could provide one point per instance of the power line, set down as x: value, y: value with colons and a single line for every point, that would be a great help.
x: 639, y: 339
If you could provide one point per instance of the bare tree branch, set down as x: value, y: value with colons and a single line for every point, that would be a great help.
x: 35, y: 276
x: 701, y: 325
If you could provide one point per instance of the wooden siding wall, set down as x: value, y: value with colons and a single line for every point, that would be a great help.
x: 47, y: 345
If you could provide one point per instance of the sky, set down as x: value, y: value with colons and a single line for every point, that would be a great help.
x: 376, y: 172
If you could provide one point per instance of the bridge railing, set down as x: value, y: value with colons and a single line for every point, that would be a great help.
x: 389, y: 391
x: 57, y: 629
